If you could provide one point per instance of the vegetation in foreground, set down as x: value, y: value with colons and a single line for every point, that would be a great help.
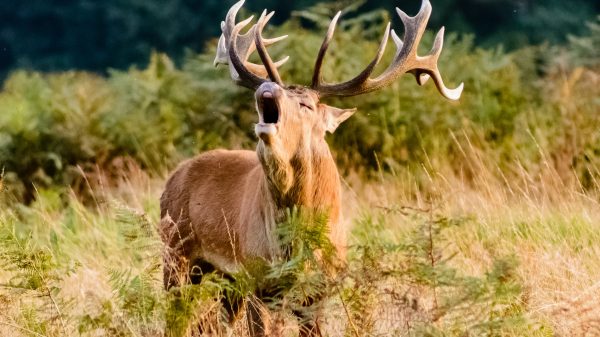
x: 475, y: 265
x: 479, y: 218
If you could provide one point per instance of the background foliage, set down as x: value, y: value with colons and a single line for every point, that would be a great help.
x: 54, y: 35
x: 56, y: 126
x: 395, y: 285
x: 473, y: 218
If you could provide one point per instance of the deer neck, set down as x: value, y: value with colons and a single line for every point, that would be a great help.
x: 306, y: 178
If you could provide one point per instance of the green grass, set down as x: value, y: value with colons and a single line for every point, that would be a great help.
x: 450, y: 267
x: 477, y: 218
x: 514, y: 105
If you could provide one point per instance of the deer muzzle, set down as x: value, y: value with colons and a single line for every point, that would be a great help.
x: 268, y: 103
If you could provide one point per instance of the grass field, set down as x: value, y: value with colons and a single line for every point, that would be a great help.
x: 476, y: 218
x: 94, y: 269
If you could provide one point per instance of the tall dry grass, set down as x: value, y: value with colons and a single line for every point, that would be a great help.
x: 100, y: 261
x: 479, y: 218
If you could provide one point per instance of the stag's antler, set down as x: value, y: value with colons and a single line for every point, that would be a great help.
x: 235, y: 49
x: 405, y: 60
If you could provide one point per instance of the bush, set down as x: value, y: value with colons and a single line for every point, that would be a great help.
x: 395, y: 283
x: 54, y: 127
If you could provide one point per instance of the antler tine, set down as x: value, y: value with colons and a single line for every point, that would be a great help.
x: 244, y: 47
x: 434, y: 55
x: 316, y: 80
x: 227, y: 26
x: 353, y: 84
x: 405, y: 60
x: 421, y: 78
x: 262, y: 50
x: 358, y: 84
x: 239, y: 72
x: 397, y: 40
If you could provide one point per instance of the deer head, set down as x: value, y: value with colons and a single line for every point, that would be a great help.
x: 291, y: 119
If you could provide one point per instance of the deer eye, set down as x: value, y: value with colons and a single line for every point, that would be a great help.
x: 306, y: 106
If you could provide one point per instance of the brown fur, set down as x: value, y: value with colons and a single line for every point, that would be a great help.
x: 222, y: 207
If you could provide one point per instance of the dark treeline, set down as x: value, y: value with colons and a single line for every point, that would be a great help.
x: 51, y: 35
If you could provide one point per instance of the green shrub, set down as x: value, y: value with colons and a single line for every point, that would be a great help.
x: 395, y: 282
x: 51, y: 125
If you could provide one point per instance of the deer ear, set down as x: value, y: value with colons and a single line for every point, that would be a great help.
x: 335, y: 116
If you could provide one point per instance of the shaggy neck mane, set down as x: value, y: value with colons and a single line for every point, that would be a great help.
x: 308, y: 178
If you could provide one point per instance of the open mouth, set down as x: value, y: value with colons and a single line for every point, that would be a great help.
x: 268, y: 119
x: 270, y: 110
x: 268, y: 98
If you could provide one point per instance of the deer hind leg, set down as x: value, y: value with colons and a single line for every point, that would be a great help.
x: 175, y: 261
x: 179, y: 271
x: 230, y: 300
x: 198, y: 269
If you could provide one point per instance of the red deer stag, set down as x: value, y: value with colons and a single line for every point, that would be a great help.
x: 221, y: 208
